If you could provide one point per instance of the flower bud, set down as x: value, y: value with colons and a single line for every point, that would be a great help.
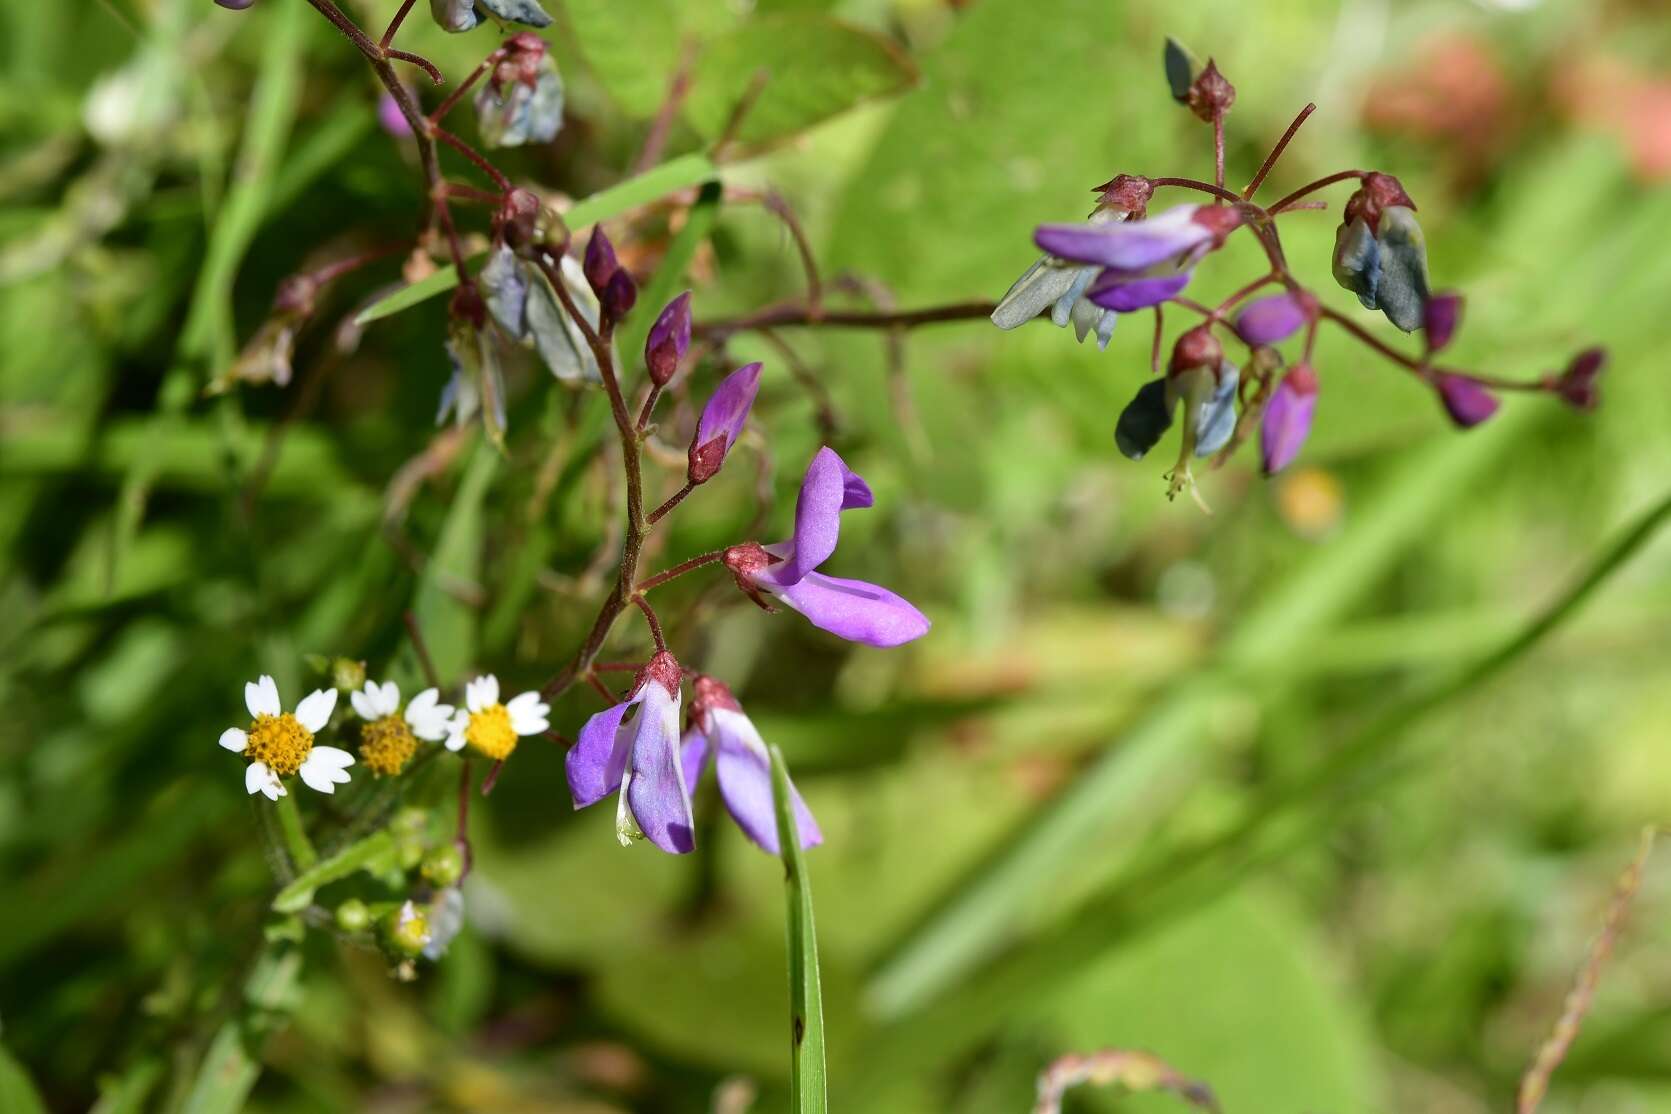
x: 620, y: 295
x: 1210, y: 94
x: 668, y: 341
x: 1467, y: 403
x: 1287, y: 419
x: 722, y: 422
x: 523, y: 103
x: 1197, y: 348
x: 1440, y: 321
x: 1579, y: 385
x: 235, y: 5
x: 1145, y: 420
x: 353, y: 916
x: 347, y: 675
x: 406, y: 930
x: 1125, y: 193
x: 600, y: 263
x: 518, y: 218
x: 443, y: 866
x: 1275, y: 318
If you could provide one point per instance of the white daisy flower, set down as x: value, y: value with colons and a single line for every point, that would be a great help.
x: 492, y: 727
x: 280, y: 743
x: 387, y: 740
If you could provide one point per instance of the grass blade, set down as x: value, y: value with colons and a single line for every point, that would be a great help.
x: 356, y: 856
x: 806, y: 997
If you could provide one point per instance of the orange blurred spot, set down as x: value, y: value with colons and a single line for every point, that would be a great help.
x: 1310, y: 501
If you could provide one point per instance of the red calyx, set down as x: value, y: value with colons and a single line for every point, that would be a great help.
x: 1127, y: 193
x: 1378, y: 193
x: 1220, y: 220
x: 744, y: 560
x: 663, y: 669
x: 1211, y: 93
x: 708, y: 694
x: 1196, y: 349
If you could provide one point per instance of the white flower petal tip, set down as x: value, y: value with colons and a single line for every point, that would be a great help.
x: 330, y: 757
x: 261, y: 697
x: 259, y: 779
x: 234, y: 739
x: 314, y: 712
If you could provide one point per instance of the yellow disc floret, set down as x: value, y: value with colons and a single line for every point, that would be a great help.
x: 386, y: 745
x: 490, y: 732
x: 279, y: 741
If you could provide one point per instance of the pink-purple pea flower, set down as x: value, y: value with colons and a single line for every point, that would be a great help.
x: 1442, y: 315
x: 1467, y: 403
x: 1287, y: 419
x: 1144, y: 262
x: 1275, y: 318
x: 722, y: 734
x: 722, y: 422
x: 641, y: 759
x: 850, y: 609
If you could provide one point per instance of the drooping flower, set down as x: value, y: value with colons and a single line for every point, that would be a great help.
x: 492, y: 728
x: 722, y: 422
x: 722, y: 734
x: 477, y: 384
x: 522, y: 302
x: 1201, y: 380
x: 668, y: 340
x: 1287, y: 419
x: 1467, y: 403
x: 388, y: 739
x: 1273, y: 319
x: 641, y: 759
x: 446, y: 921
x: 279, y: 743
x: 1380, y: 254
x: 1184, y: 233
x: 463, y: 15
x: 1145, y: 420
x: 851, y: 609
x: 523, y: 101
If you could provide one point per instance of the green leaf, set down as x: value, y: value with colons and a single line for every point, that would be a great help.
x: 806, y: 999
x: 675, y: 174
x: 814, y: 68
x: 448, y: 623
x: 230, y: 1067
x: 670, y: 273
x: 368, y: 853
x: 631, y: 58
x: 17, y: 1090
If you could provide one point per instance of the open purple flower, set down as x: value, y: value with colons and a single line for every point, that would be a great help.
x: 722, y: 422
x: 850, y: 609
x: 1288, y: 419
x: 641, y: 759
x: 720, y: 732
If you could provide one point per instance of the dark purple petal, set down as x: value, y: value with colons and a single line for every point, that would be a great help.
x: 656, y: 791
x: 599, y: 263
x: 1444, y: 314
x: 1287, y: 419
x: 1126, y: 245
x: 694, y: 753
x: 854, y: 610
x: 668, y: 340
x: 745, y: 783
x: 1271, y: 320
x: 728, y: 409
x: 1124, y: 293
x: 1465, y: 401
x: 595, y: 762
x: 824, y: 494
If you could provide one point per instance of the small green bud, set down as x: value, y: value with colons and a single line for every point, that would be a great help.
x: 353, y: 916
x: 348, y: 675
x: 443, y: 866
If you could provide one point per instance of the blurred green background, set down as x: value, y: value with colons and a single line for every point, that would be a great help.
x: 1111, y: 678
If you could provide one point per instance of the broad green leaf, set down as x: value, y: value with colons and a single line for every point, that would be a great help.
x: 632, y: 58
x: 806, y: 997
x: 17, y: 1090
x: 448, y: 623
x: 813, y: 67
x: 369, y: 853
x: 675, y: 174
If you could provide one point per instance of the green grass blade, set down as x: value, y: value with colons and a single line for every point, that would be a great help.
x: 675, y: 174
x: 806, y: 996
x: 670, y: 274
x: 231, y: 1065
x: 356, y: 856
x: 17, y: 1090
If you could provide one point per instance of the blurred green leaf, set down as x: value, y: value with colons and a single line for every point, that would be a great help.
x: 447, y: 622
x: 232, y: 1063
x: 670, y: 274
x: 17, y: 1090
x: 806, y: 996
x: 373, y: 853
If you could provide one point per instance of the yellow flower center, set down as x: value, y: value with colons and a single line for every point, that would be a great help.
x: 386, y: 745
x: 279, y: 741
x: 490, y: 732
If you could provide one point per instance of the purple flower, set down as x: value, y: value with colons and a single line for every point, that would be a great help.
x: 1125, y: 291
x: 721, y: 732
x: 1443, y: 315
x: 850, y: 609
x: 1464, y: 400
x: 1288, y: 419
x: 1273, y: 319
x: 669, y: 339
x: 599, y: 262
x: 722, y: 422
x: 1579, y: 385
x: 1136, y: 245
x: 641, y: 759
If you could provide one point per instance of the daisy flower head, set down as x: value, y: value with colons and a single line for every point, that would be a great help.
x: 279, y: 743
x: 387, y: 738
x: 491, y: 727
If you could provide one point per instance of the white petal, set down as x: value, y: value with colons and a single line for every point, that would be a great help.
x: 234, y: 739
x: 314, y: 712
x: 331, y: 757
x: 487, y: 692
x: 434, y: 725
x: 315, y: 776
x: 455, y: 737
x: 274, y: 789
x: 388, y: 699
x: 257, y: 777
x: 422, y: 702
x: 261, y: 697
x: 528, y: 714
x: 363, y: 707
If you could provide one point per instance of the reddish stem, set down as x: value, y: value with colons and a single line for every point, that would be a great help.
x: 680, y: 569
x: 394, y: 24
x: 419, y: 61
x: 1276, y: 152
x: 470, y: 153
x: 650, y: 617
x: 672, y: 501
x: 1312, y: 187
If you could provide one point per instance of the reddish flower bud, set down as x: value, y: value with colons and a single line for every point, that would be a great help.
x: 1467, y: 403
x: 1197, y: 348
x: 1210, y: 93
x: 620, y: 295
x: 668, y: 340
x: 1287, y: 419
x: 1378, y: 193
x: 1442, y: 315
x: 1126, y: 193
x: 1579, y: 385
x: 518, y: 218
x: 600, y: 263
